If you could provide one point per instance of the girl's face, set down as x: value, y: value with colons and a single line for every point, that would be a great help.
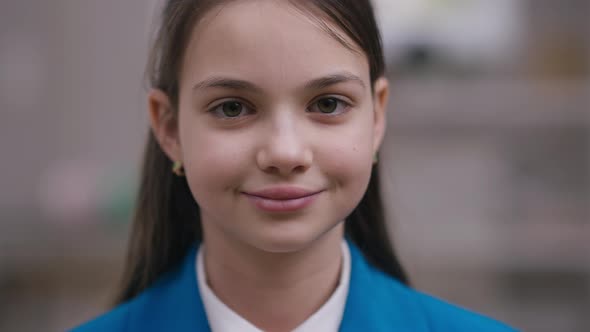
x: 277, y: 125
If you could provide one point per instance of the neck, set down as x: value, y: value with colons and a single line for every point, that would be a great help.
x: 275, y: 291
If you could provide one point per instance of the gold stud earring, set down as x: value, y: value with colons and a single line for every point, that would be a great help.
x: 177, y: 168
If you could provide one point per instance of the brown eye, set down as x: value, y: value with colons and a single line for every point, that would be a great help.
x: 327, y: 105
x: 231, y: 109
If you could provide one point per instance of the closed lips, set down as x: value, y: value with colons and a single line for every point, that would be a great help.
x: 282, y: 193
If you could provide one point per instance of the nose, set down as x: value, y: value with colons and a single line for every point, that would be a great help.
x: 284, y: 150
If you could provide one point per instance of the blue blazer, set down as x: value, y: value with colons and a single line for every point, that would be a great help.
x: 376, y: 302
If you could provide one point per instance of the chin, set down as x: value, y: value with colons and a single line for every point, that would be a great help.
x: 289, y: 239
x: 283, y: 244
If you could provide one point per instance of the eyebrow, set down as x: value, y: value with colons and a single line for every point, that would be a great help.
x: 326, y: 81
x: 226, y: 83
x: 237, y: 84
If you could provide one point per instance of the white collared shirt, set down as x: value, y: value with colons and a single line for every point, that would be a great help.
x: 223, y: 319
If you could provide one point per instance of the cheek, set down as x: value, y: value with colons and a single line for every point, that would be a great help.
x: 349, y: 147
x: 347, y: 161
x: 214, y: 161
x: 347, y: 158
x: 349, y: 172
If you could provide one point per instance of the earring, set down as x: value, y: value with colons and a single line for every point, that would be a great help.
x: 375, y: 158
x: 177, y: 168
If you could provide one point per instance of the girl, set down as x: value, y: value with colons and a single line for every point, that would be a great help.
x: 259, y: 207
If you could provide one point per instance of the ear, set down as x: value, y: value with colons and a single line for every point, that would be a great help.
x: 164, y: 124
x: 380, y: 98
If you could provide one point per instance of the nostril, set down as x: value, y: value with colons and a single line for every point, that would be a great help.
x: 273, y: 169
x: 277, y: 170
x: 299, y: 169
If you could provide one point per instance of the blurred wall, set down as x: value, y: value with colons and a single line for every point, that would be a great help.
x: 72, y: 101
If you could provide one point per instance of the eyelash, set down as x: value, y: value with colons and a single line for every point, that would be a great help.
x: 342, y: 105
x: 218, y: 112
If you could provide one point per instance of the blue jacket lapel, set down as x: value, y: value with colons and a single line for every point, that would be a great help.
x: 174, y: 303
x: 377, y: 302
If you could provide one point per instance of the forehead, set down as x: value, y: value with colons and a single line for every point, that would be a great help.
x: 269, y: 41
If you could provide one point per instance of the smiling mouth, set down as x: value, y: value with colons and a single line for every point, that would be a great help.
x: 282, y: 199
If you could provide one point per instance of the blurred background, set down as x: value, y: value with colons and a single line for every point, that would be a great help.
x: 486, y: 163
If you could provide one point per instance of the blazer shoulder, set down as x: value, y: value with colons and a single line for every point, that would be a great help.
x: 384, y: 303
x: 172, y: 303
x: 443, y: 316
x: 114, y: 320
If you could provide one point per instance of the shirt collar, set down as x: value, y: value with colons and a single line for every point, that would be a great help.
x: 327, y: 318
x: 375, y: 301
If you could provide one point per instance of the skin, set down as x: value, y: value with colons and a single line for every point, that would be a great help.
x: 273, y: 268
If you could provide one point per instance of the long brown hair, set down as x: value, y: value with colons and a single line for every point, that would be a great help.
x: 166, y: 221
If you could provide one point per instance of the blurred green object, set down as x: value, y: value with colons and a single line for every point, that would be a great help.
x: 117, y: 198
